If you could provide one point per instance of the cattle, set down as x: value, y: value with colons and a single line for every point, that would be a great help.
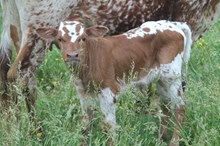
x: 22, y: 17
x: 156, y: 51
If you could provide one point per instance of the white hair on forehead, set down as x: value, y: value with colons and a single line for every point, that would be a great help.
x: 61, y: 28
x: 71, y: 27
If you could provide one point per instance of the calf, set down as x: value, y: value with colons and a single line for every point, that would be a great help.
x: 155, y: 50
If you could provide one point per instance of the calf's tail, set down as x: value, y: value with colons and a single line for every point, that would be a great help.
x: 187, y: 49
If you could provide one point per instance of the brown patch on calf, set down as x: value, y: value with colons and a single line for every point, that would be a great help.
x: 146, y: 29
x: 77, y: 29
x: 168, y: 51
x: 66, y: 36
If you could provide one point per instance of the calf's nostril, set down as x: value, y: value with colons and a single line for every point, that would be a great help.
x: 73, y: 56
x: 69, y: 56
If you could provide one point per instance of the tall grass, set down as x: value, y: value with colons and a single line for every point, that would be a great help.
x: 59, y: 113
x: 203, y: 94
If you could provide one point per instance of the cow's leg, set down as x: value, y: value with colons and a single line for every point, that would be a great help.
x: 29, y: 91
x: 15, y: 36
x: 15, y: 27
x: 172, y: 96
x: 28, y: 75
x: 107, y: 101
x: 28, y: 41
x: 23, y: 53
x: 26, y: 82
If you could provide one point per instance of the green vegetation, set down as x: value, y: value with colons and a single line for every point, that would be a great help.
x: 59, y: 113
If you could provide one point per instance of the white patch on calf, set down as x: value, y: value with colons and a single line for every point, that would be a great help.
x: 108, y: 107
x: 61, y: 28
x: 71, y: 27
x: 154, y: 27
x: 169, y: 83
x: 172, y: 69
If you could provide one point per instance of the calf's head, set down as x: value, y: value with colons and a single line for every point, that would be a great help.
x: 71, y: 37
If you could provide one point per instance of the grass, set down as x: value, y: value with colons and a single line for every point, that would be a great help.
x: 59, y: 113
x: 203, y: 92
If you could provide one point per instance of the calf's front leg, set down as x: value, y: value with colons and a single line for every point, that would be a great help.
x: 88, y: 112
x: 108, y: 108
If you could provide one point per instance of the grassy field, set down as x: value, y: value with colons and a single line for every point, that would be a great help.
x: 58, y: 108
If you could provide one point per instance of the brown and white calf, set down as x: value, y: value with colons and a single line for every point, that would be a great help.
x: 157, y: 50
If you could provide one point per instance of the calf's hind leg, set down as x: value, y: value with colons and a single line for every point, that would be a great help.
x: 172, y: 95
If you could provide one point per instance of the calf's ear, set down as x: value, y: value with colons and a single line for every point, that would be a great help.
x: 97, y: 31
x: 48, y: 34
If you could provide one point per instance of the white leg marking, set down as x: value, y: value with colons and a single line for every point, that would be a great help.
x: 108, y: 107
x: 170, y: 82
